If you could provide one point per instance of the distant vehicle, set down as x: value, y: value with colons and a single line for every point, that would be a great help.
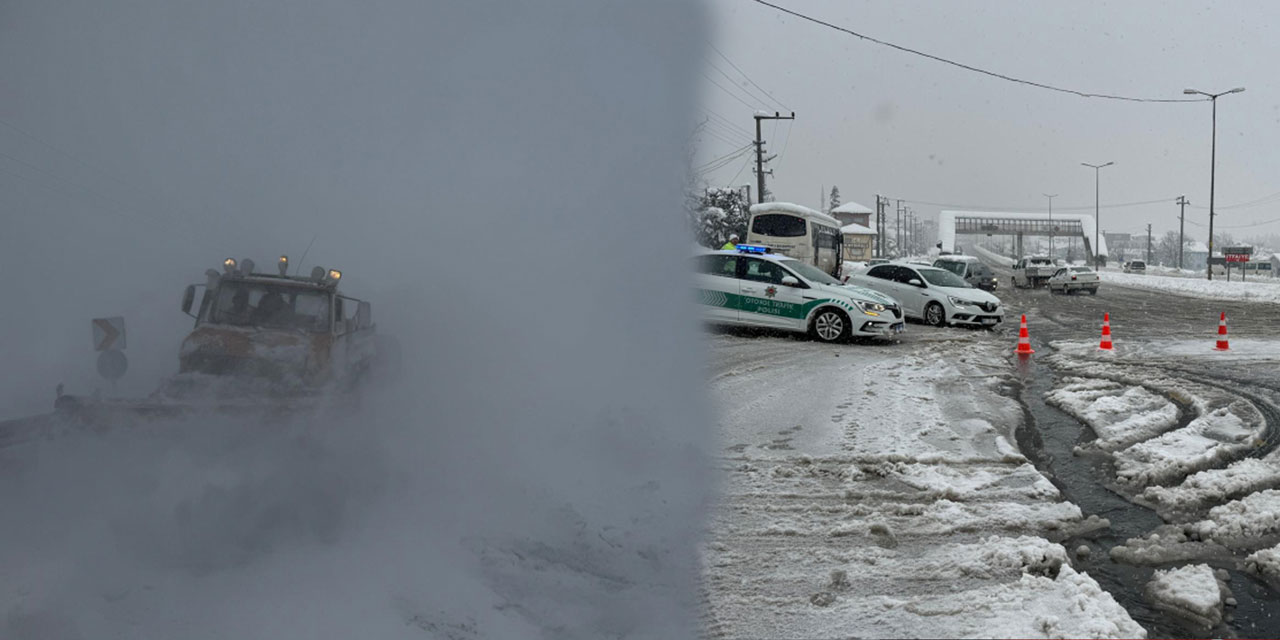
x: 1135, y: 266
x: 934, y: 295
x: 749, y: 287
x: 799, y: 232
x: 1072, y: 279
x: 875, y: 261
x: 1032, y: 271
x: 971, y: 269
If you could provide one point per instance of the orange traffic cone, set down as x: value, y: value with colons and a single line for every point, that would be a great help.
x: 1222, y: 333
x: 1105, y: 345
x: 1024, y: 339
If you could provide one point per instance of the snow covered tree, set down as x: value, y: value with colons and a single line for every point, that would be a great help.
x: 1166, y: 249
x: 835, y: 199
x: 717, y: 214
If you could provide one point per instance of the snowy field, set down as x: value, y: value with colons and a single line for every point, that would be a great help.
x: 1257, y: 289
x: 874, y: 491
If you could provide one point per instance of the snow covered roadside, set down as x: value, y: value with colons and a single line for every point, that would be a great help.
x: 1260, y: 290
x: 994, y: 258
x: 873, y: 491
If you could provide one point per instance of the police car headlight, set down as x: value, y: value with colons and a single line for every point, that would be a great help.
x: 870, y: 308
x: 960, y: 302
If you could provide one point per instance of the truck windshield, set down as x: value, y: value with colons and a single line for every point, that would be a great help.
x: 251, y: 304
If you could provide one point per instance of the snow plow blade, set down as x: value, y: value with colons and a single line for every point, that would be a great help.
x: 74, y: 415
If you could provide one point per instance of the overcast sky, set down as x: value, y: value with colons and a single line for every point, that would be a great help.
x: 871, y: 119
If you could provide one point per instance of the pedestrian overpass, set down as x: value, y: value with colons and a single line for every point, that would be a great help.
x: 952, y: 224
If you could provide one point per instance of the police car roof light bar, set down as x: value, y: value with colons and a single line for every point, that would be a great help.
x: 752, y: 248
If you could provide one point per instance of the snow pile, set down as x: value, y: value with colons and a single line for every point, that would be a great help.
x: 1254, y: 515
x: 1191, y: 592
x: 1265, y: 562
x: 1259, y: 290
x: 1121, y: 415
x: 1238, y: 479
x: 1206, y: 442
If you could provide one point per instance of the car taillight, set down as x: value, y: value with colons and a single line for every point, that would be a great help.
x: 1073, y: 277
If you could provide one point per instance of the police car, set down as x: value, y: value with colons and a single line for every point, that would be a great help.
x: 750, y: 286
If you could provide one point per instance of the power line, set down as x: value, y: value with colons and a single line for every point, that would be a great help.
x: 745, y: 91
x: 729, y: 93
x: 732, y: 154
x: 727, y: 123
x: 744, y: 74
x: 1082, y: 94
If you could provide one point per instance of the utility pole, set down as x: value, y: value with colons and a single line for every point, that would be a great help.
x: 1148, y: 243
x: 1050, y: 197
x: 1182, y: 215
x: 897, y: 231
x: 760, y: 159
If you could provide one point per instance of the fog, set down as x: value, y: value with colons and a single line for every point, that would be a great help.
x: 500, y: 180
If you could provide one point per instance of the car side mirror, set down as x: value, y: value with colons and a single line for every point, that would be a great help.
x: 790, y: 281
x: 188, y: 298
x: 915, y: 282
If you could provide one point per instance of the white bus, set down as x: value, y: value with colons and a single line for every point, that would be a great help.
x: 798, y: 232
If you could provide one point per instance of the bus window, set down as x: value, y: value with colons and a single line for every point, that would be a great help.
x: 778, y: 225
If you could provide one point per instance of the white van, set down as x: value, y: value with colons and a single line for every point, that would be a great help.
x: 799, y: 232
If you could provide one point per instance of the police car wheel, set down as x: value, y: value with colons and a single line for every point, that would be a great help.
x: 830, y: 325
x: 935, y: 315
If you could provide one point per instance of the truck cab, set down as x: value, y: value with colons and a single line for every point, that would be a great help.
x: 300, y: 331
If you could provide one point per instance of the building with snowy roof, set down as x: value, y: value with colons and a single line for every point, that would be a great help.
x: 852, y: 213
x: 859, y: 242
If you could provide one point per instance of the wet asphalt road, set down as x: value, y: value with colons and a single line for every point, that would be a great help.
x: 1135, y: 313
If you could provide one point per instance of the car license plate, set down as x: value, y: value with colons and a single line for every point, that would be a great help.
x: 899, y: 327
x: 988, y: 321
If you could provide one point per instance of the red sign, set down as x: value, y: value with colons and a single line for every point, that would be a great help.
x: 1237, y: 257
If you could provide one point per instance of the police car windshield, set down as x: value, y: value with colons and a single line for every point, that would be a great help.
x: 944, y: 278
x: 810, y: 272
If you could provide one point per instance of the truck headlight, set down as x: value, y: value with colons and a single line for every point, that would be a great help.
x: 870, y: 308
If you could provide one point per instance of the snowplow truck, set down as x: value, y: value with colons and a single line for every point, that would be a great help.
x: 272, y: 342
x: 295, y: 330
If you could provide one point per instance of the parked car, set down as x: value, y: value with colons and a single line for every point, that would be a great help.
x: 933, y: 295
x: 1032, y: 271
x: 971, y: 269
x: 752, y: 287
x: 1072, y: 279
x: 1135, y: 266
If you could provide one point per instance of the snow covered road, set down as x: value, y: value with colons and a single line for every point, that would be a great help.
x: 874, y: 491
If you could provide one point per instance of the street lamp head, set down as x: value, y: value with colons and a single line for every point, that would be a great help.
x: 1108, y: 164
x: 1237, y: 90
x: 1190, y: 92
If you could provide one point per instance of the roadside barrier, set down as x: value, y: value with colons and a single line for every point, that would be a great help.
x: 1024, y: 339
x: 1105, y: 345
x: 1222, y: 333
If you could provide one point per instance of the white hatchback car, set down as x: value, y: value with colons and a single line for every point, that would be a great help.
x: 934, y: 295
x: 749, y: 287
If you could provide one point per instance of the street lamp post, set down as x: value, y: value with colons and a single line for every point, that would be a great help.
x: 1050, y: 197
x: 1097, y: 263
x: 1213, y: 160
